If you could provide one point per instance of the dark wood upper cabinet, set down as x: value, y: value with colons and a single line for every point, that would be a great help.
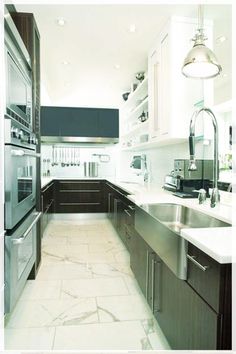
x: 79, y: 122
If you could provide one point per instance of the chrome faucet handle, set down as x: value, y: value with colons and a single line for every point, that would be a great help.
x: 215, y: 197
x: 202, y: 196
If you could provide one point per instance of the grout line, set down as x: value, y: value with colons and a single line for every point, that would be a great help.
x: 54, y: 337
x: 99, y: 319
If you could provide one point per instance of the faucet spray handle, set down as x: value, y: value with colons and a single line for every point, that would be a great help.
x: 192, y: 164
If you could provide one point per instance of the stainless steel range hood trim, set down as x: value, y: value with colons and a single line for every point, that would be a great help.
x: 79, y: 140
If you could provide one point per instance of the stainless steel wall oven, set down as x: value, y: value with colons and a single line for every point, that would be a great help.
x: 20, y: 173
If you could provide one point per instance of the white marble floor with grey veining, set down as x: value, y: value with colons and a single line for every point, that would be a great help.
x: 85, y: 296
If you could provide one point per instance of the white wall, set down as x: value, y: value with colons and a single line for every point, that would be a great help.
x: 2, y: 88
x: 160, y: 161
x: 105, y: 169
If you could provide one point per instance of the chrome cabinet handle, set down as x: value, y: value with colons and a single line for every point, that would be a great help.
x: 23, y: 153
x: 158, y: 266
x: 50, y: 185
x: 109, y: 203
x: 153, y: 280
x: 199, y: 265
x: 127, y: 212
x: 23, y: 237
x: 147, y: 273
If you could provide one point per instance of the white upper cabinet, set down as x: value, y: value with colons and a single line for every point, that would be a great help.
x: 172, y: 96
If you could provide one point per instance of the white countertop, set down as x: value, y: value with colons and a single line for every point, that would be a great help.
x: 216, y: 242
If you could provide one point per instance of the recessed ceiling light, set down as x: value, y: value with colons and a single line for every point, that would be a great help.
x: 132, y: 28
x: 221, y: 39
x: 225, y: 75
x: 60, y: 21
x: 65, y: 62
x: 117, y: 66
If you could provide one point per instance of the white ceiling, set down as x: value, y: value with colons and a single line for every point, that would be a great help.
x: 95, y: 38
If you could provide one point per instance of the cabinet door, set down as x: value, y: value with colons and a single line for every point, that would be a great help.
x: 164, y: 86
x: 153, y: 92
x: 50, y: 121
x: 139, y: 261
x: 154, y: 281
x: 83, y: 122
x: 186, y: 320
x: 108, y: 123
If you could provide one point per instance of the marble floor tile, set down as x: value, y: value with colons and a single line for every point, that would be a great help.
x: 50, y: 313
x: 122, y: 256
x: 93, y: 287
x: 54, y: 240
x: 29, y: 338
x: 133, y: 286
x: 65, y: 253
x: 65, y: 271
x: 122, y: 308
x: 57, y: 230
x: 111, y: 270
x: 158, y: 341
x: 106, y: 247
x: 100, y: 257
x: 41, y: 289
x: 127, y: 335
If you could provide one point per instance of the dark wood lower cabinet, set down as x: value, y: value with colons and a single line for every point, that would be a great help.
x: 79, y: 197
x: 187, y: 321
x: 47, y: 204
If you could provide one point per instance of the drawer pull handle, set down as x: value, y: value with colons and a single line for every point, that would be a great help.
x: 199, y: 265
x: 127, y: 213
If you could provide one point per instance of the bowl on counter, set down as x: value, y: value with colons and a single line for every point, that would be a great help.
x: 140, y: 76
x: 125, y: 96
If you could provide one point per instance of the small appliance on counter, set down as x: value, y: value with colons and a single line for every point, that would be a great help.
x: 185, y: 183
x: 90, y: 169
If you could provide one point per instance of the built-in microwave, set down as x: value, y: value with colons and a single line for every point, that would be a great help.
x: 18, y: 82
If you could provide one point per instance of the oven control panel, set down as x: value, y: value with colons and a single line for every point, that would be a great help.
x: 15, y: 134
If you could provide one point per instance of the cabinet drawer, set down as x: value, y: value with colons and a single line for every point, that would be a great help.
x: 206, y: 283
x: 79, y: 196
x: 79, y: 185
x: 79, y: 207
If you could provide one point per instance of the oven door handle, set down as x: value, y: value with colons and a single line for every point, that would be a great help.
x: 23, y: 237
x: 23, y: 153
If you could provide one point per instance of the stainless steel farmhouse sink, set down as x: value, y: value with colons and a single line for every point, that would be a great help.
x: 160, y: 226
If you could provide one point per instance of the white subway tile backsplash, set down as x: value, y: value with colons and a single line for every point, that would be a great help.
x: 1, y: 260
x: 2, y: 319
x: 105, y: 169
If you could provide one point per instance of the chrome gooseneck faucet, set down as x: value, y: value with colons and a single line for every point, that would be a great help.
x: 215, y: 197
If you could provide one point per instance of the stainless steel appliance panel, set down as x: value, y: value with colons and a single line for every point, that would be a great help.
x: 18, y: 77
x: 20, y: 183
x: 20, y: 256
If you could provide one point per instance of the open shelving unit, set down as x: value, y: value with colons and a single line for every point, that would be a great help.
x: 134, y: 131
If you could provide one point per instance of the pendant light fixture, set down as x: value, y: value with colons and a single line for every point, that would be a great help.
x: 200, y: 62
